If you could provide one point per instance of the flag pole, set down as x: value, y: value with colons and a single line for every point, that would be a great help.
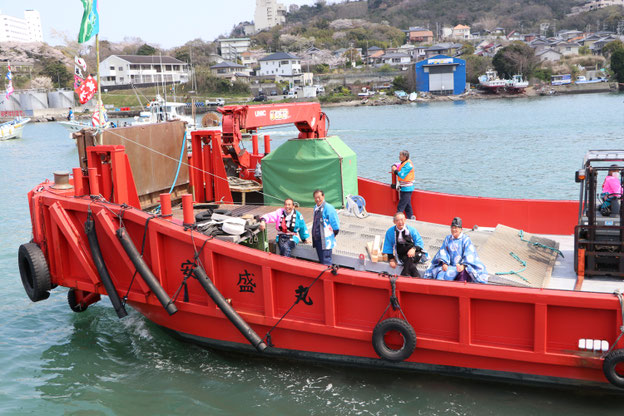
x: 97, y: 67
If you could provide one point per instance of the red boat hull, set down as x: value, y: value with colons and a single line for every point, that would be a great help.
x: 460, y: 327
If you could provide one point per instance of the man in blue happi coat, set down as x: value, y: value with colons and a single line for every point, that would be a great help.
x: 403, y: 245
x: 457, y: 258
x: 325, y: 228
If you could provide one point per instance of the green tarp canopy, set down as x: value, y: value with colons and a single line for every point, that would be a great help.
x: 299, y: 166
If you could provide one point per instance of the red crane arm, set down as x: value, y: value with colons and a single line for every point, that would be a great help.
x: 308, y: 118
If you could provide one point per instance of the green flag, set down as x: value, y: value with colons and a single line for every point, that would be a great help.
x: 90, y: 24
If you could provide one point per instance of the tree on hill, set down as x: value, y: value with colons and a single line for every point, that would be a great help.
x: 146, y: 49
x: 617, y: 64
x: 57, y: 72
x: 516, y: 58
x: 475, y: 66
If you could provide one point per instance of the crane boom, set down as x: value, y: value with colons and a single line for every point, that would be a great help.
x: 308, y: 118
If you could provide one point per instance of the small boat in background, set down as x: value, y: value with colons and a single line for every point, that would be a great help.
x: 13, y: 129
x: 516, y: 84
x: 413, y: 96
x: 582, y: 80
x: 490, y: 82
x: 160, y: 110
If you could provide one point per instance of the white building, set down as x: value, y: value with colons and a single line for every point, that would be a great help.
x: 15, y: 29
x: 139, y: 69
x: 231, y: 49
x: 268, y: 13
x: 280, y: 64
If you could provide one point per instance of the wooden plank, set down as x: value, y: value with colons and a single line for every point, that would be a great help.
x: 369, y: 247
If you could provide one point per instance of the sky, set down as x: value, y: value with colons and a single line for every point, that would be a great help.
x: 166, y: 23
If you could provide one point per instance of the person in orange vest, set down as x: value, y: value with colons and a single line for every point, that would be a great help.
x: 405, y: 183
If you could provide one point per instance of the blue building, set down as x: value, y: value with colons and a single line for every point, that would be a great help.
x: 441, y: 75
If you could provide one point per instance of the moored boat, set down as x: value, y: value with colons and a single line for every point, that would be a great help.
x: 490, y: 82
x: 516, y: 84
x: 13, y: 129
x: 219, y: 293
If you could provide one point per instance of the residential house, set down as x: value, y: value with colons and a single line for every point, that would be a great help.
x: 280, y: 64
x: 419, y: 35
x: 449, y: 49
x: 529, y: 37
x: 396, y: 59
x: 514, y: 36
x: 231, y: 49
x: 231, y: 71
x: 415, y: 52
x: 461, y: 32
x: 140, y: 69
x: 566, y: 48
x: 569, y: 34
x: 549, y: 55
x: 374, y: 57
x: 539, y: 45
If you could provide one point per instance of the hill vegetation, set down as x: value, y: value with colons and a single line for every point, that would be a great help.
x: 522, y: 15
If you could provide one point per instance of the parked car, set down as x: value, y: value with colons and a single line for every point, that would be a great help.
x: 215, y: 101
x: 260, y: 98
x: 319, y: 89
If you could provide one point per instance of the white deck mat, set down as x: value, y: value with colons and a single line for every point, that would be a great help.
x: 356, y: 232
x: 540, y: 261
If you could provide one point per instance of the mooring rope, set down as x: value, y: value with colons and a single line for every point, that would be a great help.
x: 394, y: 301
x: 516, y: 272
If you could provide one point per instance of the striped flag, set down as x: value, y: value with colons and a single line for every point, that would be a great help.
x: 90, y: 24
x: 9, y: 88
x: 99, y: 115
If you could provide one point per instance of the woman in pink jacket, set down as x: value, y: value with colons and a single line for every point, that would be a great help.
x: 611, y: 192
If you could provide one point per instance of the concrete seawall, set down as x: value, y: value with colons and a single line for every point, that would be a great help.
x: 585, y: 88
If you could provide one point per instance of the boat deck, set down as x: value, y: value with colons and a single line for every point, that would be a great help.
x: 545, y: 268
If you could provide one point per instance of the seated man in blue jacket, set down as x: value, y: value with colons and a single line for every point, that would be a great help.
x: 403, y: 245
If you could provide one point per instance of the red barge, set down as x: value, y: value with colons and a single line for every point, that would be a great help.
x: 97, y: 234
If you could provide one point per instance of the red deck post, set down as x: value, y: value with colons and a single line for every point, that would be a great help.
x: 78, y: 182
x: 254, y: 143
x: 267, y: 144
x: 107, y: 184
x: 94, y: 186
x: 187, y: 209
x: 165, y: 205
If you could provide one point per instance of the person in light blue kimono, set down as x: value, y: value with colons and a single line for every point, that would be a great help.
x: 325, y: 228
x: 457, y: 259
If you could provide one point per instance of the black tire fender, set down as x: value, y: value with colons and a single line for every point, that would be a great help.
x: 403, y: 328
x: 609, y: 367
x: 73, y: 303
x: 34, y: 272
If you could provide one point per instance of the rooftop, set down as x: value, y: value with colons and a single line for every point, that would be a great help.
x: 277, y: 56
x: 149, y: 59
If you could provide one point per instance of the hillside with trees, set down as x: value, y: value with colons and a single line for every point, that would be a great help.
x: 522, y: 15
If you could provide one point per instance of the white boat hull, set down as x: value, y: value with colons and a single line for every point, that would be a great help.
x: 13, y: 129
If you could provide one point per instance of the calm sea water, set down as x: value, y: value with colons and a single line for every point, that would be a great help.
x: 53, y: 361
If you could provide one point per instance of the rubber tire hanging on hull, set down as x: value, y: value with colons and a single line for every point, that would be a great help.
x: 74, y: 305
x: 34, y: 272
x: 402, y: 327
x: 609, y: 365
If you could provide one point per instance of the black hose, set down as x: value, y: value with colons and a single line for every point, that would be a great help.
x: 145, y: 272
x: 96, y: 254
x: 227, y: 309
